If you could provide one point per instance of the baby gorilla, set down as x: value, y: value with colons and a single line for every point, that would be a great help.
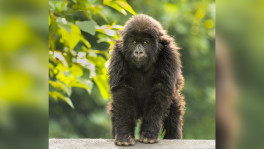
x: 145, y: 80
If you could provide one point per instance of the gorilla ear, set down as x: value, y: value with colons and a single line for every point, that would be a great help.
x: 165, y: 40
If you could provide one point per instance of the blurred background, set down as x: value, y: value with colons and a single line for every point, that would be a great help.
x: 240, y: 74
x: 23, y: 74
x: 81, y: 33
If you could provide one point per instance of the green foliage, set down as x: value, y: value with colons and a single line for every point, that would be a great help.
x: 87, y: 26
x: 73, y: 61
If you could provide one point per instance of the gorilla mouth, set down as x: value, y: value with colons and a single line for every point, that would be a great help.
x: 140, y: 60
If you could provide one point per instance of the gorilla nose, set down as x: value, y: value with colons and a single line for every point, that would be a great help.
x: 139, y: 52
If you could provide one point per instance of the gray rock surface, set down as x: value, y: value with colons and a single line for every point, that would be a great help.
x: 109, y: 144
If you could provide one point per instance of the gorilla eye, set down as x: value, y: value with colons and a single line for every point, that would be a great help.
x: 134, y: 42
x: 145, y: 42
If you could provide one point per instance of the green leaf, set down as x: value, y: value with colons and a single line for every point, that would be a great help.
x: 76, y: 70
x: 87, y: 26
x: 114, y: 5
x: 120, y: 5
x: 59, y: 86
x: 51, y: 66
x: 60, y: 6
x: 57, y: 95
x: 68, y: 101
x: 99, y: 63
x: 87, y: 83
x: 73, y: 38
x: 126, y: 6
x: 102, y: 16
x: 101, y: 82
x: 63, y: 23
x: 53, y: 95
x: 78, y: 84
x: 68, y: 90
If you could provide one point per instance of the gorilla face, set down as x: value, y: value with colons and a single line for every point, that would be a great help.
x: 140, y: 49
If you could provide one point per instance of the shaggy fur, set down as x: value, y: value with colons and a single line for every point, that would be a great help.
x: 146, y: 87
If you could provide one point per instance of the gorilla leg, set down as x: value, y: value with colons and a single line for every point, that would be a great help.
x: 123, y: 116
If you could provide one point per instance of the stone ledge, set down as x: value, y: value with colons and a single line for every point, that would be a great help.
x: 109, y: 144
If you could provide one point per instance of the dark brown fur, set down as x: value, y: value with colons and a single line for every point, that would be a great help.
x: 148, y: 90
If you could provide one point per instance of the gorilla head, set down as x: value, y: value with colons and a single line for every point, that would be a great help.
x: 141, y: 41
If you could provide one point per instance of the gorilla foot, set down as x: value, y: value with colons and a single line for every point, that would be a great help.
x: 125, y: 140
x: 146, y: 137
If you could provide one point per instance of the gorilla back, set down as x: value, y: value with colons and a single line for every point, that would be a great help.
x: 145, y: 81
